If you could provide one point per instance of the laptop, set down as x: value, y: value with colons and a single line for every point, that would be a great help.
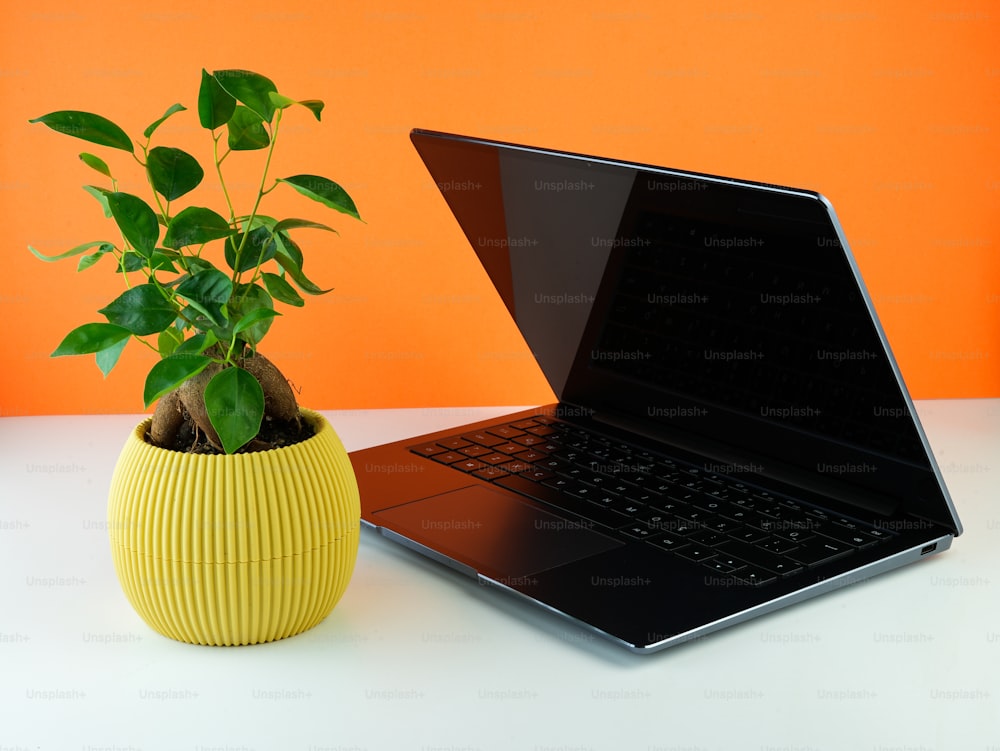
x: 731, y: 433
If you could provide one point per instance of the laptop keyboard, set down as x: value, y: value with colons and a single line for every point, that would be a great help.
x: 740, y: 532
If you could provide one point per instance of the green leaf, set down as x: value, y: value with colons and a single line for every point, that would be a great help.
x: 194, y: 226
x: 208, y: 292
x: 257, y: 220
x: 234, y: 401
x: 132, y: 261
x: 258, y: 247
x: 197, y: 343
x: 326, y: 191
x: 293, y: 266
x: 168, y: 341
x: 108, y: 358
x: 245, y: 300
x: 171, y: 372
x: 153, y: 126
x: 91, y: 337
x: 78, y: 250
x: 246, y: 131
x: 96, y: 163
x: 173, y: 172
x: 289, y: 247
x: 313, y: 105
x: 163, y: 260
x: 215, y: 106
x: 287, y: 224
x: 282, y: 291
x: 87, y: 261
x: 253, y: 318
x: 102, y: 197
x: 136, y: 220
x: 281, y: 102
x: 198, y: 264
x: 142, y: 310
x: 250, y: 88
x: 87, y: 126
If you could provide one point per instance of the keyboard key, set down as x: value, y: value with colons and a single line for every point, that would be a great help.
x: 490, y: 473
x: 878, y: 534
x: 753, y: 576
x: 706, y: 537
x: 668, y: 542
x: 843, y: 521
x: 720, y: 525
x: 427, y: 449
x: 710, y: 504
x: 759, y: 558
x: 643, y: 497
x: 524, y: 424
x: 685, y: 528
x: 793, y: 535
x: 540, y: 430
x: 536, y: 474
x: 508, y: 448
x: 776, y: 545
x: 529, y: 456
x: 474, y: 451
x: 449, y: 457
x: 505, y: 431
x: 720, y: 567
x: 654, y: 518
x: 469, y: 465
x: 453, y: 443
x: 637, y: 531
x: 483, y: 439
x: 557, y: 482
x: 492, y: 458
x: 749, y: 534
x: 551, y: 497
x: 855, y: 538
x: 529, y: 440
x: 695, y: 552
x: 819, y: 550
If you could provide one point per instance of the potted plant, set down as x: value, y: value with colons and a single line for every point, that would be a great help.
x: 233, y: 513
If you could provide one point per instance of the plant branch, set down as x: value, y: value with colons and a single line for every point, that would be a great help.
x: 253, y: 213
x: 218, y: 170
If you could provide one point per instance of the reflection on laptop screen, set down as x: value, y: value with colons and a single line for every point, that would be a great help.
x: 683, y: 303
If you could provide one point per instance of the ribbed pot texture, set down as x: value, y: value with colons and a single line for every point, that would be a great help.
x: 234, y: 549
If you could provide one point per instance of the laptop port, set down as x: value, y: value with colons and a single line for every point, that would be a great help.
x: 928, y: 548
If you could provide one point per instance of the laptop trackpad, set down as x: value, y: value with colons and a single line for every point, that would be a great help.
x: 495, y: 532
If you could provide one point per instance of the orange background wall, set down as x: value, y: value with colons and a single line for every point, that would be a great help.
x: 890, y: 109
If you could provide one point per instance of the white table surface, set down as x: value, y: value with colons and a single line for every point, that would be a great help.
x: 416, y: 656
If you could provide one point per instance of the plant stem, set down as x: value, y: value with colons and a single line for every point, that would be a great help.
x: 256, y: 205
x: 218, y: 171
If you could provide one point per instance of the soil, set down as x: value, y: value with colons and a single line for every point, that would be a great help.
x: 273, y: 434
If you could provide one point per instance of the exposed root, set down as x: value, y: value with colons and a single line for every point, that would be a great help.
x: 192, y: 396
x: 279, y: 399
x: 168, y: 419
x: 181, y: 421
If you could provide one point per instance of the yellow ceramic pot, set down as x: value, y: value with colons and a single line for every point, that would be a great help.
x: 235, y: 549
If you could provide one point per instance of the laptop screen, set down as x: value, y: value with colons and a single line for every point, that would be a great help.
x: 686, y: 304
